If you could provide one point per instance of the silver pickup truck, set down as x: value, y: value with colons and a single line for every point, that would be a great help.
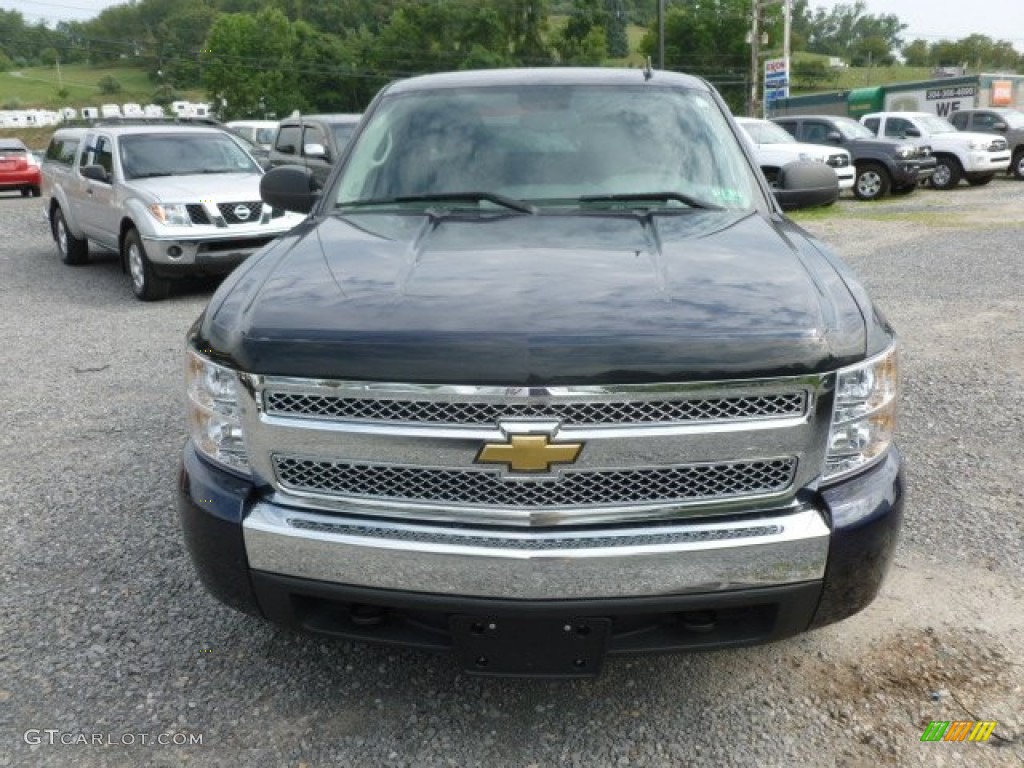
x: 171, y: 199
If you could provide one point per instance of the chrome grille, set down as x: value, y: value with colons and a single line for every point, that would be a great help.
x: 230, y: 212
x: 575, y: 488
x: 738, y: 408
x: 998, y: 145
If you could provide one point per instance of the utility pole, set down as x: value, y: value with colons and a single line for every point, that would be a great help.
x: 757, y: 38
x: 755, y: 54
x: 661, y: 34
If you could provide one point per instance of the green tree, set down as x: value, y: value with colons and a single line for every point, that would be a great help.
x: 616, y: 20
x: 917, y: 54
x: 109, y: 85
x: 843, y: 30
x: 709, y: 38
x: 328, y: 72
x: 583, y: 40
x: 872, y: 51
x: 247, y: 64
x: 181, y: 36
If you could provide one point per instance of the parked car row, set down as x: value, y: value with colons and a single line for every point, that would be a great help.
x: 895, y: 152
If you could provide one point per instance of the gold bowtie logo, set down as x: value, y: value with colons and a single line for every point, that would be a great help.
x: 529, y: 453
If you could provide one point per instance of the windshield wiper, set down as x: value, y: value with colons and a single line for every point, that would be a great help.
x: 455, y: 197
x: 640, y: 197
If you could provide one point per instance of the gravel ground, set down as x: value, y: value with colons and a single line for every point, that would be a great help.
x: 104, y: 629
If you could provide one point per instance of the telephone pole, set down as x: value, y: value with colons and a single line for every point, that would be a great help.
x: 759, y: 38
x: 661, y: 34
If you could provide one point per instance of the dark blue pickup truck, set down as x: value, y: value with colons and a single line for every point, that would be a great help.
x: 545, y: 375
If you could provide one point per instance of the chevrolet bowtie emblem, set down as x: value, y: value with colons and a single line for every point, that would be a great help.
x: 529, y: 453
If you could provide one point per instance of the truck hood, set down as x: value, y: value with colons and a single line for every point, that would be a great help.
x: 961, y: 139
x: 218, y: 187
x: 780, y: 154
x: 546, y: 299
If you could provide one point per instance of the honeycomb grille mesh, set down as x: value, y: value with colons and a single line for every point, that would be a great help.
x: 230, y: 212
x: 687, y: 483
x: 746, y: 407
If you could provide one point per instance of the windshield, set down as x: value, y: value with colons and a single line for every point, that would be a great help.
x: 342, y: 133
x: 934, y: 124
x: 1012, y: 118
x: 549, y: 145
x: 265, y: 135
x: 167, y: 154
x: 851, y: 129
x: 764, y: 132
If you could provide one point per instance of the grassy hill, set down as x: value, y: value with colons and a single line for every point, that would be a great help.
x: 38, y: 87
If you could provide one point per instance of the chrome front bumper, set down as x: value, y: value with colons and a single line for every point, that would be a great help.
x: 779, y: 548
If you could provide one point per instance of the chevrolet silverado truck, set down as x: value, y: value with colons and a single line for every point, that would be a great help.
x: 1008, y: 123
x: 883, y: 165
x: 172, y: 199
x: 546, y: 375
x: 976, y: 157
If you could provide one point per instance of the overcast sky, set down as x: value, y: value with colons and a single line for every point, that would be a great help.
x: 928, y: 19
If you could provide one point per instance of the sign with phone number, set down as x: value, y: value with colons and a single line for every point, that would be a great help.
x: 961, y: 92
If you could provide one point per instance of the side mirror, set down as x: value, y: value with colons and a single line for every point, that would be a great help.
x: 834, y: 136
x: 96, y: 173
x: 912, y: 132
x: 315, y: 150
x: 291, y: 187
x: 806, y: 185
x: 1000, y: 126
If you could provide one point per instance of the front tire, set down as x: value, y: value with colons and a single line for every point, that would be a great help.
x: 872, y: 182
x: 146, y: 284
x: 947, y: 173
x: 1017, y: 164
x: 73, y: 251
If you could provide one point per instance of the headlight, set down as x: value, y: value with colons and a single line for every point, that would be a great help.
x: 214, y: 414
x: 173, y: 214
x: 905, y: 153
x: 864, y: 414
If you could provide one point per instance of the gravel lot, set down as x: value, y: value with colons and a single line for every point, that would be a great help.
x: 104, y: 629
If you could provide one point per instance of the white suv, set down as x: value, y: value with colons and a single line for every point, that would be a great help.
x: 774, y: 147
x: 172, y: 199
x: 977, y: 157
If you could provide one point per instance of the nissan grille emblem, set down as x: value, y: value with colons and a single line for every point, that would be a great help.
x: 241, y: 212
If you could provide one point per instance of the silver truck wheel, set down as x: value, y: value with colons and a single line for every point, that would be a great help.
x: 146, y: 285
x: 72, y: 250
x: 947, y: 173
x: 872, y: 183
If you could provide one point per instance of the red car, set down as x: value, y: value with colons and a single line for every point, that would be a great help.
x: 19, y: 168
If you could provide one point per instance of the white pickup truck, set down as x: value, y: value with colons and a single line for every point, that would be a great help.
x: 976, y: 157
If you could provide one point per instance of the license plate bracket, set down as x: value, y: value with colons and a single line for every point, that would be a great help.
x: 530, y: 647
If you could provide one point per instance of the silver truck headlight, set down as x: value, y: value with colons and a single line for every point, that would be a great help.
x: 214, y: 413
x: 864, y: 414
x: 171, y: 214
x: 905, y: 153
